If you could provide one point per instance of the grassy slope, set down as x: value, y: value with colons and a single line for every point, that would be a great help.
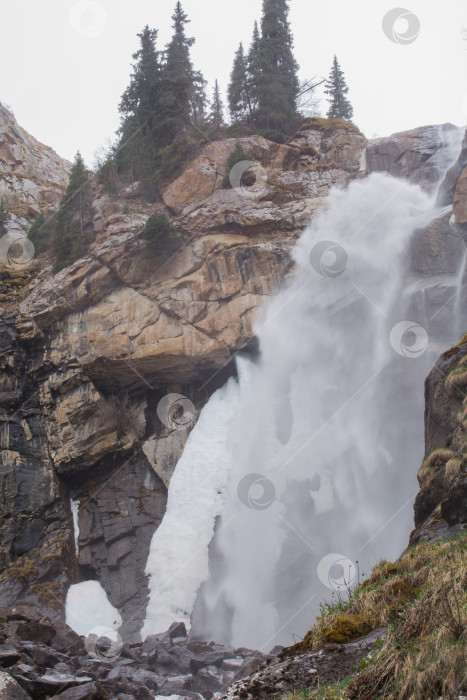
x: 422, y: 600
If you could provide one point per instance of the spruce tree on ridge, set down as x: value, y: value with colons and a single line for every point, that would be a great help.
x: 238, y: 91
x: 337, y: 89
x: 274, y: 70
x: 178, y: 77
x: 73, y: 228
x: 216, y: 114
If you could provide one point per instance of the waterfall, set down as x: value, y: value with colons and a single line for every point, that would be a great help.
x: 461, y: 282
x: 178, y: 558
x: 305, y: 468
x: 74, y: 505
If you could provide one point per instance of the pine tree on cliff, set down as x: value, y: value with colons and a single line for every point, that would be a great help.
x: 4, y: 216
x: 41, y: 233
x: 253, y: 67
x: 142, y: 96
x: 73, y: 230
x: 179, y: 79
x: 199, y: 103
x: 216, y: 114
x: 274, y: 70
x: 336, y: 88
x: 140, y: 107
x: 238, y: 91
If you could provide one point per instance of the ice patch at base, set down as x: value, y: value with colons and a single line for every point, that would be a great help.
x: 178, y: 558
x: 87, y: 607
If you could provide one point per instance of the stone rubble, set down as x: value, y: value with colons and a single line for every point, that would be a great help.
x: 54, y: 662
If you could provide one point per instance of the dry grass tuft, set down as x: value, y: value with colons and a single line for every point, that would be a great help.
x: 329, y: 125
x: 345, y: 627
x: 422, y: 600
x: 336, y: 691
x: 456, y: 381
x: 438, y: 457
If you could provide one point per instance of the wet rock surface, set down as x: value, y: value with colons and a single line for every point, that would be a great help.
x: 54, y: 661
x: 294, y: 670
x: 420, y: 155
x: 116, y: 527
x: 441, y: 504
x: 111, y: 325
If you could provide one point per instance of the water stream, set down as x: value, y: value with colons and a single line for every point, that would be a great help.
x: 301, y: 475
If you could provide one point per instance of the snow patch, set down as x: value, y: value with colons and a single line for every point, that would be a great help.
x: 178, y: 558
x: 87, y: 607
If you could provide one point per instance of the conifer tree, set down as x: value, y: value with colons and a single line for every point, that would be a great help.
x: 41, y: 233
x: 199, y: 103
x: 178, y: 77
x: 274, y: 70
x: 140, y: 133
x: 336, y: 88
x: 73, y: 231
x: 238, y: 91
x: 4, y: 216
x: 141, y: 98
x: 216, y: 114
x: 253, y: 65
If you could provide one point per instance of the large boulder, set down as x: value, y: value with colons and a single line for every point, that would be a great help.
x: 441, y: 503
x: 206, y: 173
x: 10, y: 689
x: 448, y: 185
x: 319, y: 146
x: 419, y: 155
x: 436, y: 248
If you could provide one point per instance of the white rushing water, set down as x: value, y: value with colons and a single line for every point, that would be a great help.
x: 315, y: 451
x: 75, y: 516
x: 178, y: 558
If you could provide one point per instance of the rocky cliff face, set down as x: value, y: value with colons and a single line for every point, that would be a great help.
x: 441, y: 504
x: 32, y: 176
x: 88, y: 354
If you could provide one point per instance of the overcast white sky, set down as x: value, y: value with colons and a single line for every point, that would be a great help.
x: 64, y: 67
